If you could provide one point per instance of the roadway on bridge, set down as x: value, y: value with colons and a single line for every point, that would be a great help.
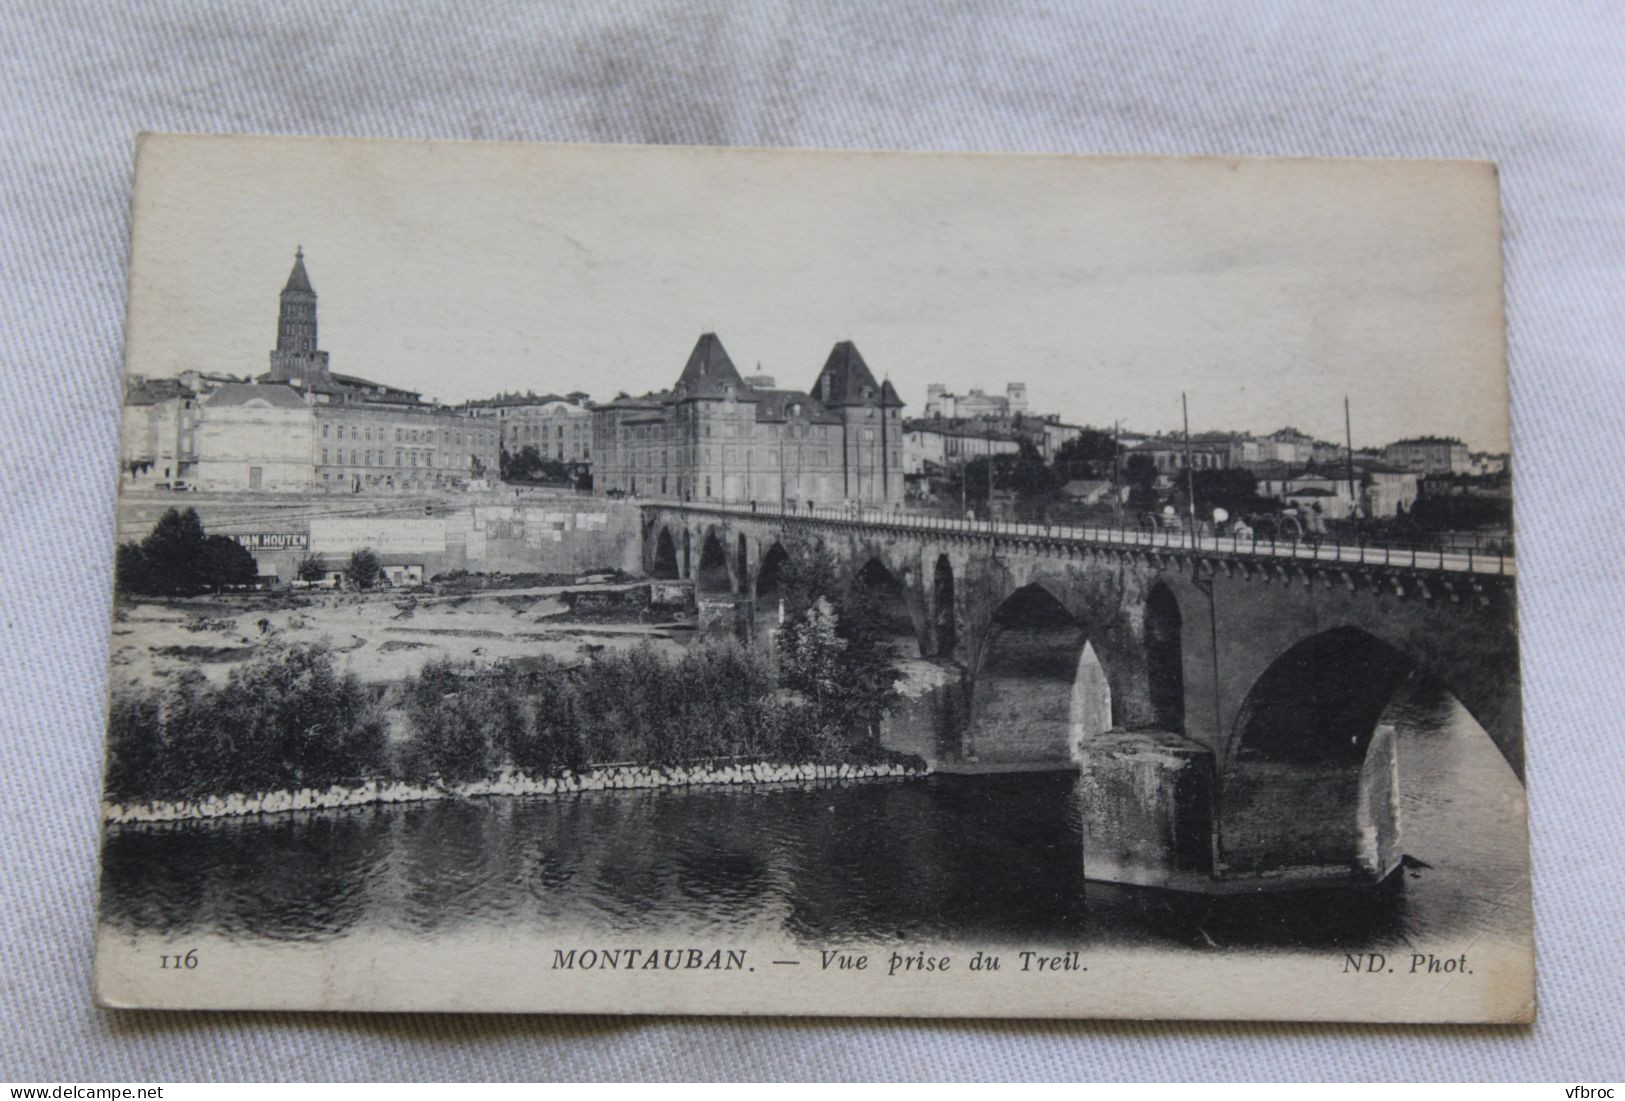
x: 1407, y: 556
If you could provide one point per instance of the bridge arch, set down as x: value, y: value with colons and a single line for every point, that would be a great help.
x: 714, y: 576
x: 944, y: 609
x: 1165, y: 658
x: 665, y: 567
x: 770, y: 584
x: 886, y: 593
x: 1040, y: 688
x: 1310, y: 782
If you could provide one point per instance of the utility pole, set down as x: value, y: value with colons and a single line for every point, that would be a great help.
x: 1348, y: 452
x: 964, y: 482
x: 989, y: 442
x: 1190, y: 471
x: 885, y: 449
x: 1117, y: 462
x: 857, y: 451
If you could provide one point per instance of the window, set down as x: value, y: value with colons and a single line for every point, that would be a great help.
x: 325, y: 427
x: 324, y: 455
x: 397, y: 456
x: 353, y: 453
x: 708, y: 485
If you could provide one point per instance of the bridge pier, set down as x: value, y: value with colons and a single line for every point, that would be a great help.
x: 1147, y: 801
x: 1156, y: 814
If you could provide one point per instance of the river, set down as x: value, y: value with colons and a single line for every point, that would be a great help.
x: 971, y: 858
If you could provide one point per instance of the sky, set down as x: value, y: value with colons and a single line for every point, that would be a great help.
x: 1266, y: 290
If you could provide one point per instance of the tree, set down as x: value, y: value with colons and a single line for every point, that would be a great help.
x: 459, y: 717
x: 364, y: 569
x: 174, y: 553
x: 1141, y: 475
x: 310, y: 568
x: 833, y: 647
x: 177, y: 558
x: 1036, y: 484
x: 131, y: 572
x: 1090, y: 454
x: 224, y: 561
x: 1234, y: 490
x: 520, y: 466
x: 285, y: 720
x: 810, y: 652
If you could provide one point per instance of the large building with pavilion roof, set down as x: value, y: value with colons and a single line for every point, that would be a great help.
x: 717, y: 438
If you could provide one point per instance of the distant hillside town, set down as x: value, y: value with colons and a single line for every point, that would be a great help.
x: 719, y: 436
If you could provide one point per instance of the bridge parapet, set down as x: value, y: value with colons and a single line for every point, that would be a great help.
x: 1354, y: 563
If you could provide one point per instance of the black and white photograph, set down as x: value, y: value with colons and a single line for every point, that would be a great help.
x: 705, y: 580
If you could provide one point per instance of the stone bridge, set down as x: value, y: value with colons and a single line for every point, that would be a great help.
x: 1222, y: 697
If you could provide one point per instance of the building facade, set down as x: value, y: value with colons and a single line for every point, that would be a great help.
x: 941, y: 405
x: 559, y: 427
x: 932, y: 443
x: 1056, y: 436
x: 157, y: 442
x: 1167, y: 455
x: 256, y: 438
x: 1429, y: 455
x: 714, y: 438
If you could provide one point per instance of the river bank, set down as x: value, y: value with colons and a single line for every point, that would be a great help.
x: 508, y: 782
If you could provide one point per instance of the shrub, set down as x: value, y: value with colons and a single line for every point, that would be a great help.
x: 460, y: 719
x: 552, y: 740
x: 286, y: 719
x: 224, y: 562
x: 131, y: 571
x: 177, y: 558
x: 364, y: 568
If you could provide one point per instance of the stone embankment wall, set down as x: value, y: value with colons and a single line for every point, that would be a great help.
x: 614, y: 778
x: 501, y: 531
x: 519, y: 536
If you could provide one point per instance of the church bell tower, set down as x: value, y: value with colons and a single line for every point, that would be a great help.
x: 296, y: 358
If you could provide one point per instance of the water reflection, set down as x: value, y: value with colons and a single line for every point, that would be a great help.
x: 990, y: 859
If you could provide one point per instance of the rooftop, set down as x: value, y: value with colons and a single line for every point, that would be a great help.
x: 156, y: 390
x: 277, y: 394
x: 1428, y: 440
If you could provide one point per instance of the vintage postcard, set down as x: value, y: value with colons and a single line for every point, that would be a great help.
x: 680, y: 580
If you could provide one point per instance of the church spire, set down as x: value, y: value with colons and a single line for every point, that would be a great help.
x: 297, y: 356
x: 298, y: 280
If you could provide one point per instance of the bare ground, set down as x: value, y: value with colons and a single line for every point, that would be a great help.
x: 376, y: 636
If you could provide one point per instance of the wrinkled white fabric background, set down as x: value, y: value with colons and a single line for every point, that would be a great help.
x: 1538, y: 87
